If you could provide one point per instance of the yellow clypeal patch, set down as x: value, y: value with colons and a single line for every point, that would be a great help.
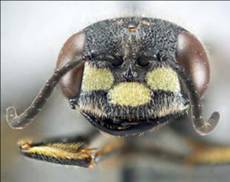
x: 163, y: 78
x: 129, y: 94
x: 96, y: 78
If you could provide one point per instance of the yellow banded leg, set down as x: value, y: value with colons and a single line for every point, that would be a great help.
x: 68, y: 151
x: 65, y: 151
x: 207, y: 154
x: 61, y: 153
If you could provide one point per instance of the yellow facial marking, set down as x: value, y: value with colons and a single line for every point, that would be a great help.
x: 129, y: 94
x: 96, y: 78
x: 163, y: 78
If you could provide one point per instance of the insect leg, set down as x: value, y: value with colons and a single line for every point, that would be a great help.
x: 201, y: 153
x: 65, y: 151
x: 208, y: 154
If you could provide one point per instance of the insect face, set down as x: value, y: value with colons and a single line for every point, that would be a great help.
x: 126, y: 76
x: 110, y: 99
x: 127, y: 85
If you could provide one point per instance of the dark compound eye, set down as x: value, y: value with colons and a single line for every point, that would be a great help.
x: 143, y: 61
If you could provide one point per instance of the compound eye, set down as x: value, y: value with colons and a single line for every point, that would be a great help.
x: 70, y: 83
x: 192, y: 56
x: 143, y: 62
